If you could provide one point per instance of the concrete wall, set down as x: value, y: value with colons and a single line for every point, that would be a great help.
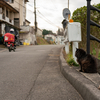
x: 27, y: 35
x: 39, y: 32
x: 25, y: 28
x: 98, y: 65
x: 3, y: 29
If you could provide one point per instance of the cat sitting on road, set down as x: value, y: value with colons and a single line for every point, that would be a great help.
x: 86, y: 61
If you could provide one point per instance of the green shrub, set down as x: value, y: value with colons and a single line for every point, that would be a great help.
x: 69, y: 57
x: 94, y: 52
x: 71, y: 62
x: 99, y: 55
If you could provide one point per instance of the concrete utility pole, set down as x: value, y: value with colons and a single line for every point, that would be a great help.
x: 68, y: 4
x: 35, y: 16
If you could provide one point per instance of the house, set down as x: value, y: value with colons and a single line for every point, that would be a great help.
x: 60, y: 39
x: 13, y: 15
x: 27, y: 36
x: 51, y: 37
x: 8, y: 15
x: 60, y: 36
x: 19, y: 5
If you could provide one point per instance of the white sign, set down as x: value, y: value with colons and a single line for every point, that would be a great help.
x: 74, y: 32
x: 6, y: 38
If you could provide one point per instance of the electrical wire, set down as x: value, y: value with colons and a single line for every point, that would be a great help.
x: 54, y: 4
x: 48, y: 19
x: 45, y: 19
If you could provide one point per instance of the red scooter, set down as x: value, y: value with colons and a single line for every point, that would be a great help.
x: 9, y: 40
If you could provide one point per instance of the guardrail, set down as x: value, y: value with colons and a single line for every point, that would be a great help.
x: 90, y: 22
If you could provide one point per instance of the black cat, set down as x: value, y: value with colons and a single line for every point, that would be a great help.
x: 86, y: 61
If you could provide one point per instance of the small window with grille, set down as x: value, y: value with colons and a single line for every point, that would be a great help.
x: 10, y: 1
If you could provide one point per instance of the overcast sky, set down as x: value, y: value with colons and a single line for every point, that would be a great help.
x: 49, y: 12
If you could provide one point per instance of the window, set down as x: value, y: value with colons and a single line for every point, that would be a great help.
x: 10, y: 1
x: 7, y: 13
x: 16, y: 22
x: 6, y: 0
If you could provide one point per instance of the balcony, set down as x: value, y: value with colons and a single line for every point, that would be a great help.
x: 3, y: 16
x: 25, y: 28
x: 6, y: 19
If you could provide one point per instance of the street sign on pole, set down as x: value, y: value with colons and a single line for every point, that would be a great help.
x: 66, y: 13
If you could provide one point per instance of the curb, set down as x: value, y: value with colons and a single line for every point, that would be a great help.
x: 84, y: 86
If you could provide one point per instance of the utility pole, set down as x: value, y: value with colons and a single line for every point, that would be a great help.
x: 68, y: 4
x: 68, y: 8
x: 35, y: 16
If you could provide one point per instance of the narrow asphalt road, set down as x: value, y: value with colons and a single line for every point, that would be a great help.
x: 33, y: 73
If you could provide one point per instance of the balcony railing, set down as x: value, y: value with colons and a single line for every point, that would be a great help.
x: 6, y: 19
x: 3, y: 16
x: 10, y: 20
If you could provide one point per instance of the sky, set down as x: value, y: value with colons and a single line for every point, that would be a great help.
x: 50, y: 12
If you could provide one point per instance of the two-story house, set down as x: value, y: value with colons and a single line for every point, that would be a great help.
x: 13, y: 15
x: 26, y: 33
x: 8, y: 15
x: 50, y: 37
x: 19, y: 5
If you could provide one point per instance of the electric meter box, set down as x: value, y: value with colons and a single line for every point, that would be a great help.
x: 74, y: 32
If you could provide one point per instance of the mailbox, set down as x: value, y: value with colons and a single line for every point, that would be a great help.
x: 74, y: 32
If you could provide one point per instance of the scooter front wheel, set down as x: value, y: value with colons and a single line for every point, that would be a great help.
x: 9, y: 49
x: 14, y: 50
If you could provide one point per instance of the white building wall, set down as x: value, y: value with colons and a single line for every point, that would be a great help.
x: 3, y: 29
x: 28, y: 36
x: 39, y: 33
x: 52, y: 36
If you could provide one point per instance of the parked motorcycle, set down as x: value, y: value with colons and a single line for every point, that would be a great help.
x: 9, y: 40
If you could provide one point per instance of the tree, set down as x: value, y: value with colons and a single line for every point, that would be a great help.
x: 80, y: 15
x: 45, y: 32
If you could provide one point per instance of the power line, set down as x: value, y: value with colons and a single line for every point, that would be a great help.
x: 30, y: 5
x: 54, y: 4
x: 48, y: 19
x: 45, y: 20
x: 43, y: 7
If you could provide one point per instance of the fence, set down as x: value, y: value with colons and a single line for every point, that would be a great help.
x: 90, y: 22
